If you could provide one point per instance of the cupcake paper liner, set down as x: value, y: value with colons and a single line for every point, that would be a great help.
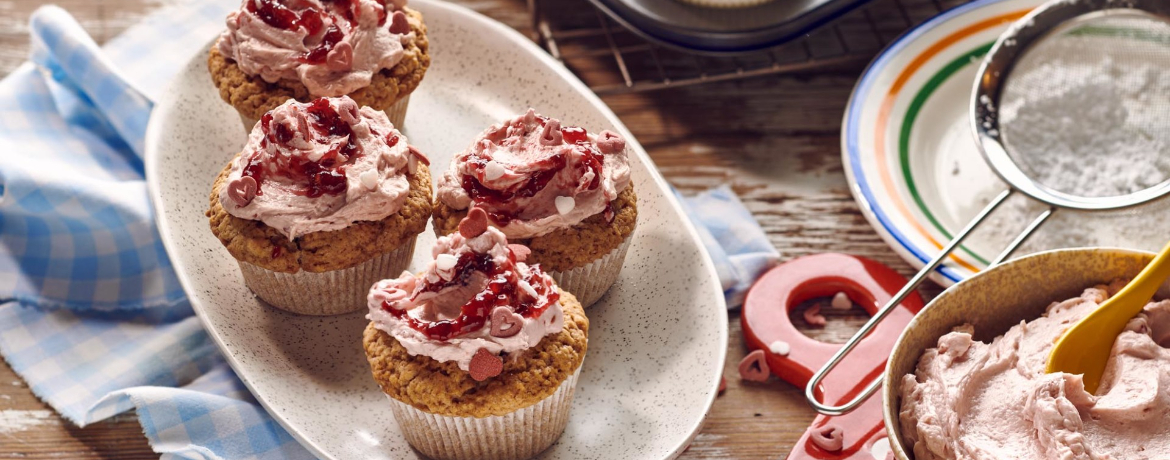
x: 589, y: 282
x: 517, y: 435
x: 325, y: 293
x: 396, y: 113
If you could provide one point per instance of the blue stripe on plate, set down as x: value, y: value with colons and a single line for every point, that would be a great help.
x: 853, y: 121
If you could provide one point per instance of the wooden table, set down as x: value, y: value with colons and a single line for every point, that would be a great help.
x: 775, y: 140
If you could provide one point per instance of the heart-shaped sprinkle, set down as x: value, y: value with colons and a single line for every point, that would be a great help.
x: 610, y: 142
x: 388, y: 297
x: 520, y: 251
x: 485, y: 365
x: 493, y: 170
x: 445, y: 262
x: 398, y: 24
x: 474, y: 224
x: 565, y: 204
x: 754, y: 367
x: 340, y: 59
x: 813, y: 316
x: 722, y: 385
x: 841, y: 302
x: 369, y: 179
x: 417, y: 154
x: 241, y: 191
x: 551, y: 135
x: 829, y: 437
x: 505, y: 322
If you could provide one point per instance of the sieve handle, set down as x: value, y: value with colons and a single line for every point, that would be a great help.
x: 810, y: 391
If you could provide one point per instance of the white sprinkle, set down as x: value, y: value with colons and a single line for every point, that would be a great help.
x: 369, y: 179
x: 565, y: 204
x: 493, y: 171
x: 412, y: 164
x: 780, y: 347
x: 528, y: 289
x: 841, y: 302
x: 446, y: 261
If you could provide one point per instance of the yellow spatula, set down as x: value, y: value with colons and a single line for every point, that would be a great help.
x: 1085, y: 348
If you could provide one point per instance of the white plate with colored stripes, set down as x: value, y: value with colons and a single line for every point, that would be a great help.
x: 916, y: 171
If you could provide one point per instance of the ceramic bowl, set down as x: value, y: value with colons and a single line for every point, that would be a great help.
x: 995, y: 300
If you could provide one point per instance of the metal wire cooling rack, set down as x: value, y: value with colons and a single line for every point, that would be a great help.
x: 587, y: 42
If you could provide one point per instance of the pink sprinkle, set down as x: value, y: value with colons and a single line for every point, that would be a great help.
x: 754, y: 367
x: 829, y: 438
x: 520, y: 251
x: 398, y: 24
x: 485, y: 365
x: 474, y: 224
x: 241, y: 191
x: 813, y: 316
x: 505, y: 322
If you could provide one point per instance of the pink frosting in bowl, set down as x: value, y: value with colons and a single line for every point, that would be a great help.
x: 320, y: 166
x: 333, y: 47
x: 980, y: 401
x: 533, y: 175
x: 476, y: 297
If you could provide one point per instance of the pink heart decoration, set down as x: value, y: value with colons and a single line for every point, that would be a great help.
x: 813, y: 316
x: 505, y: 322
x: 398, y: 24
x: 609, y: 142
x: 520, y: 251
x: 829, y: 437
x: 241, y: 191
x: 474, y: 224
x: 754, y: 367
x: 485, y: 365
x: 551, y: 135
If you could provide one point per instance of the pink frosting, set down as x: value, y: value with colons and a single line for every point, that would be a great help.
x: 503, y: 168
x: 395, y: 302
x: 980, y: 401
x: 348, y: 51
x: 369, y: 160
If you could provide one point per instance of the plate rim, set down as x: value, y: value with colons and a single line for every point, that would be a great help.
x: 151, y: 163
x: 863, y: 194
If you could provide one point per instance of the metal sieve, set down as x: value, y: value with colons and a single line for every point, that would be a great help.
x: 1071, y: 107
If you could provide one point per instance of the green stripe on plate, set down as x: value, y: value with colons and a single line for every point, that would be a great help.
x: 908, y: 125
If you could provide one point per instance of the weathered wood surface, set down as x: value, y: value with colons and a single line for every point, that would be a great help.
x: 775, y: 140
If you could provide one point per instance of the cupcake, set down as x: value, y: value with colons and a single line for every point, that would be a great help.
x: 561, y: 191
x: 373, y: 51
x: 324, y: 200
x: 479, y: 354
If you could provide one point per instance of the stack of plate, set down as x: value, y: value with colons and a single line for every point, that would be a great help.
x: 723, y: 30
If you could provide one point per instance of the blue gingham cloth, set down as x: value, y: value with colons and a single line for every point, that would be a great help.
x: 738, y: 246
x: 91, y: 314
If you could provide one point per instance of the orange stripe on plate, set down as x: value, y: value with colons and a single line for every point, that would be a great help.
x: 887, y: 106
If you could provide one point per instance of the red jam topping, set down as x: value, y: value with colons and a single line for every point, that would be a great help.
x: 324, y: 176
x: 501, y: 290
x: 277, y: 14
x: 546, y: 169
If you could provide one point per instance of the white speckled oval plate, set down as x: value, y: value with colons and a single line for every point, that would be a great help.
x: 658, y: 338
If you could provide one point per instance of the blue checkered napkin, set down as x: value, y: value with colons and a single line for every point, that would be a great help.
x: 738, y: 246
x: 91, y: 314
